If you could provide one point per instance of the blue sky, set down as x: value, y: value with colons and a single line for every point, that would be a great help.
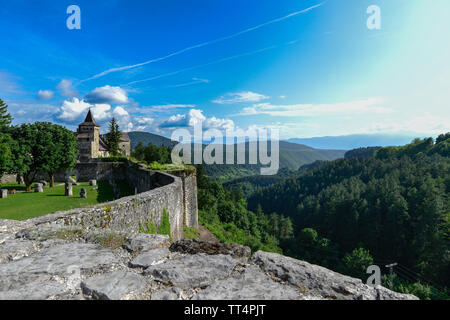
x: 309, y: 68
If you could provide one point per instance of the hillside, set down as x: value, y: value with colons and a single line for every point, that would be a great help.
x: 393, y: 206
x: 147, y: 137
x: 292, y: 156
x: 249, y: 185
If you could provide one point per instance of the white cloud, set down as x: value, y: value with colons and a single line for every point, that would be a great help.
x: 101, y: 112
x: 107, y: 94
x: 73, y: 110
x: 371, y: 105
x: 247, y: 96
x: 184, y: 120
x: 45, y: 94
x: 195, y: 116
x: 66, y: 89
x: 221, y: 124
x: 123, y: 118
x: 144, y: 123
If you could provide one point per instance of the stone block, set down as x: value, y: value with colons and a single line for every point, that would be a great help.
x: 93, y: 182
x: 38, y: 187
x: 3, y: 193
x: 68, y: 189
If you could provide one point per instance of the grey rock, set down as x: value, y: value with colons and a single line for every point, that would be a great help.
x: 59, y: 261
x: 194, y: 246
x: 148, y: 258
x: 31, y: 291
x: 193, y: 271
x: 50, y: 231
x: 172, y: 293
x: 9, y: 227
x: 320, y: 282
x: 113, y: 286
x: 143, y: 242
x: 251, y: 284
x: 14, y: 249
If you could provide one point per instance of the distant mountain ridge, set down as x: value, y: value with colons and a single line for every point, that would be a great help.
x: 147, y: 137
x: 354, y: 141
x: 292, y: 156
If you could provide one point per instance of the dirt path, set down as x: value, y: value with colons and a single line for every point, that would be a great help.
x: 206, y: 235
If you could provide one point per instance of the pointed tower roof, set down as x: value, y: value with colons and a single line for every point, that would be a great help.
x: 90, y: 119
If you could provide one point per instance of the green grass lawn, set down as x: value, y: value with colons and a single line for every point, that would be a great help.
x: 25, y: 205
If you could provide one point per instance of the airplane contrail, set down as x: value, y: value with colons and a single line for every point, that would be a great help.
x: 199, y: 66
x: 202, y: 44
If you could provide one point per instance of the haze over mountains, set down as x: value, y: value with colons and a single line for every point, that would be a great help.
x: 354, y: 141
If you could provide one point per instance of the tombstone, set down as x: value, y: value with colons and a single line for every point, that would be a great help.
x: 93, y: 182
x: 4, y: 193
x: 68, y: 190
x: 38, y: 187
x: 43, y: 182
x: 20, y: 180
x: 83, y: 193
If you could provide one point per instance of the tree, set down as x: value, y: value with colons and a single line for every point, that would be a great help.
x: 41, y: 147
x: 113, y: 137
x: 62, y: 150
x: 356, y: 263
x: 286, y: 228
x: 5, y: 151
x: 5, y: 118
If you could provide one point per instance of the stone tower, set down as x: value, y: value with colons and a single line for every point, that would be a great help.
x: 92, y: 145
x: 88, y: 136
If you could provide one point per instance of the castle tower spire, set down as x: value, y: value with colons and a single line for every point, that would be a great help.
x: 90, y: 118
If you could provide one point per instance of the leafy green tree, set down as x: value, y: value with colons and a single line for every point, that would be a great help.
x: 113, y: 138
x: 62, y: 150
x: 356, y: 263
x: 152, y: 153
x: 41, y: 147
x: 5, y: 152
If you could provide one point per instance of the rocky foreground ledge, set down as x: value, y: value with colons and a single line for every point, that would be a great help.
x: 56, y: 262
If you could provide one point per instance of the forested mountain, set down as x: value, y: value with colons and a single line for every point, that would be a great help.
x: 292, y: 156
x: 147, y: 137
x: 249, y: 185
x: 394, y: 206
